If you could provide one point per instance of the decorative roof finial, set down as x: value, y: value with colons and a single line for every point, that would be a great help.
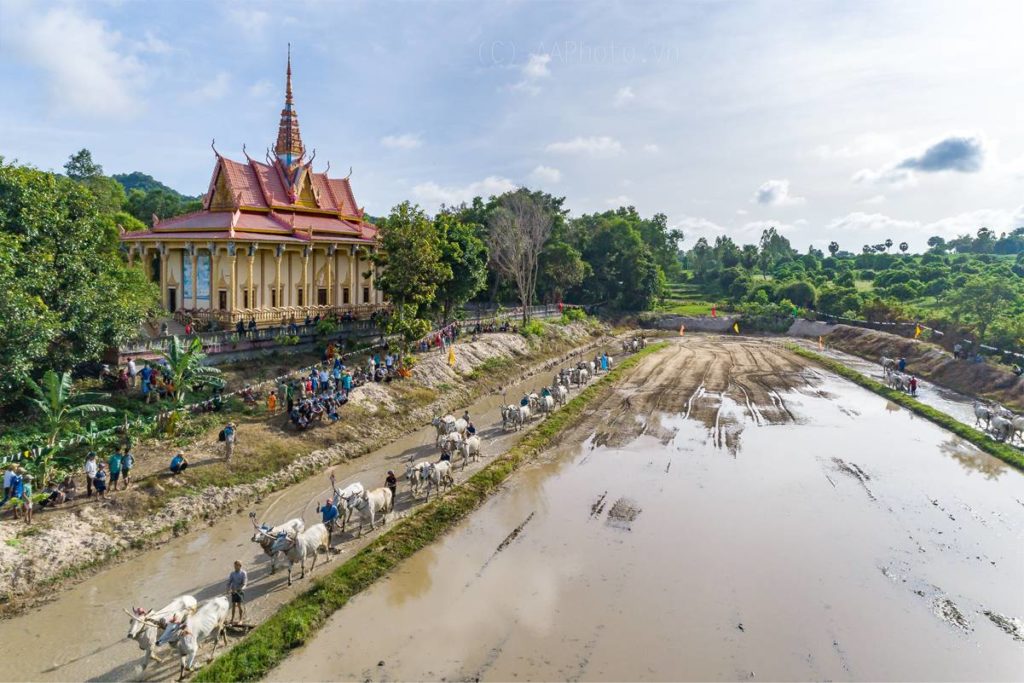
x: 289, y: 149
x: 288, y: 88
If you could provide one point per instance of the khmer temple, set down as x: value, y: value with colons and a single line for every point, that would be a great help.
x: 274, y: 240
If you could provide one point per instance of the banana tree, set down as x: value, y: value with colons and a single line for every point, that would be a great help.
x: 184, y: 360
x: 58, y: 406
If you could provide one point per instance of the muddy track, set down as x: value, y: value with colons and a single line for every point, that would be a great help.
x: 723, y: 383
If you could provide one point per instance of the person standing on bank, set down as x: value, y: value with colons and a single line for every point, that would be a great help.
x: 90, y: 473
x: 237, y: 581
x: 228, y: 437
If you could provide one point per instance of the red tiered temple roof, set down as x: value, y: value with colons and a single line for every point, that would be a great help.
x: 282, y: 200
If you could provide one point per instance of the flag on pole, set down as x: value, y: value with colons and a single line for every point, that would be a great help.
x: 736, y: 327
x: 917, y: 331
x: 682, y: 329
x: 451, y: 356
x: 821, y: 343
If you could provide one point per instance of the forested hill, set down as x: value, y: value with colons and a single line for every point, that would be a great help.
x: 137, y: 180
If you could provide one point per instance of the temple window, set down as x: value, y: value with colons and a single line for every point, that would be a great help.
x: 321, y: 296
x: 344, y: 295
x: 366, y: 295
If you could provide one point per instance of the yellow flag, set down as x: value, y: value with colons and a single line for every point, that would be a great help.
x: 736, y: 327
x: 917, y: 331
x: 682, y: 329
x: 451, y: 356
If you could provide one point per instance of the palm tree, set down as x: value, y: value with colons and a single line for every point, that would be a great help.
x: 904, y: 246
x: 185, y: 362
x: 833, y: 248
x: 53, y: 400
x: 888, y: 244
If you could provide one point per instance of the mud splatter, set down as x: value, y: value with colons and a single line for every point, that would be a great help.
x: 598, y: 507
x: 1013, y: 627
x: 947, y: 610
x: 623, y: 513
x: 513, y: 535
x: 853, y: 470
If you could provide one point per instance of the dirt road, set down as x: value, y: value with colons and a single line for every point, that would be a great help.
x: 726, y: 513
x: 87, y: 620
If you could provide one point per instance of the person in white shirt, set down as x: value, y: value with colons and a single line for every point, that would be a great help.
x: 8, y: 481
x: 132, y: 370
x: 90, y: 472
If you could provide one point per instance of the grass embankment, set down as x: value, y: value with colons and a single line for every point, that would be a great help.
x: 1003, y: 451
x: 295, y: 623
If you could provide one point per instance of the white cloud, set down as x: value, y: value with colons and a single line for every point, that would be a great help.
x: 535, y: 69
x: 621, y: 200
x: 433, y: 194
x: 537, y: 66
x: 89, y: 73
x: 652, y: 148
x: 893, y: 177
x: 213, y: 89
x: 776, y: 193
x: 150, y: 43
x: 601, y: 146
x: 741, y: 212
x: 624, y: 96
x: 546, y: 175
x: 260, y: 88
x: 863, y: 223
x: 248, y: 20
x: 877, y: 199
x: 863, y: 145
x: 695, y: 227
x: 403, y: 141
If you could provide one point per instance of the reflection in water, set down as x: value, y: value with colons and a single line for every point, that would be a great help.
x: 973, y: 460
x: 413, y: 578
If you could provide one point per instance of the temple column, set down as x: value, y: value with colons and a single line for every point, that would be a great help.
x: 252, y: 286
x: 162, y: 250
x: 278, y: 253
x: 195, y: 275
x: 330, y: 272
x: 214, y: 292
x: 232, y: 284
x: 353, y: 266
x: 305, y: 276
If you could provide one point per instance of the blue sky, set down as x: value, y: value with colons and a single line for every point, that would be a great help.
x: 853, y: 121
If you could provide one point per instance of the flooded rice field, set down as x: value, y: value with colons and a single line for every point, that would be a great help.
x: 725, y: 513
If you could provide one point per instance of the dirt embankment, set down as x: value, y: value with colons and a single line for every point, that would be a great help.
x: 715, y: 380
x: 933, y: 363
x: 64, y: 543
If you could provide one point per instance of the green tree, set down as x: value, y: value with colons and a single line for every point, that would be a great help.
x: 465, y: 256
x: 184, y: 360
x: 984, y: 299
x: 62, y: 255
x: 80, y: 166
x: 833, y: 248
x: 411, y: 250
x: 561, y: 268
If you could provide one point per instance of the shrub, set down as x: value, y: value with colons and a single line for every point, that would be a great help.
x: 867, y: 274
x: 570, y: 315
x: 532, y: 328
x: 800, y: 293
x: 326, y: 327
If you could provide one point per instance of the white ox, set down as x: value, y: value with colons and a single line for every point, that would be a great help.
x: 448, y: 425
x: 371, y: 504
x: 451, y: 442
x: 265, y: 535
x: 299, y: 546
x: 188, y: 634
x: 516, y: 416
x: 560, y: 393
x: 888, y: 364
x: 470, y: 448
x: 439, y: 476
x: 145, y: 623
x: 1002, y: 428
x: 417, y: 475
x: 982, y: 412
x: 546, y: 404
x: 344, y: 498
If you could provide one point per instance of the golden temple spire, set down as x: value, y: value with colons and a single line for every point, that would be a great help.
x: 289, y: 147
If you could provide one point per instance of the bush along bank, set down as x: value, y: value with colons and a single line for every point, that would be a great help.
x: 295, y: 623
x: 1004, y: 452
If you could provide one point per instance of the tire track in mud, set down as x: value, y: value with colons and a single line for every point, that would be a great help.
x: 725, y: 384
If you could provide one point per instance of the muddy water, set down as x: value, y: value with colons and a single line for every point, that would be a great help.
x: 81, y: 635
x: 844, y: 541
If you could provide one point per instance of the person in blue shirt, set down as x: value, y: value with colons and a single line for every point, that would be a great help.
x: 903, y: 364
x: 604, y: 362
x: 179, y: 463
x: 329, y: 514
